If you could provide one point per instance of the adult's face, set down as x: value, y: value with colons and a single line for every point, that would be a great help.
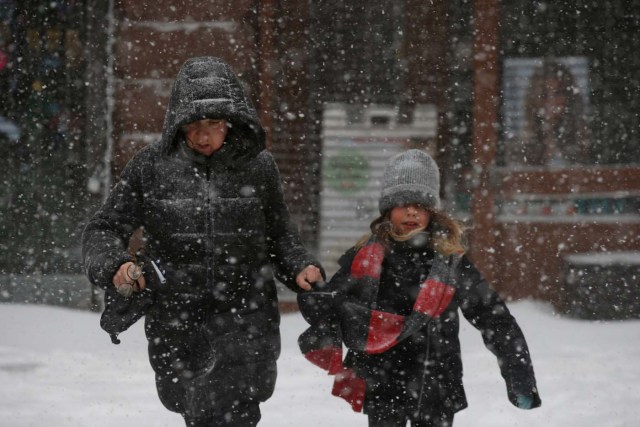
x: 206, y: 136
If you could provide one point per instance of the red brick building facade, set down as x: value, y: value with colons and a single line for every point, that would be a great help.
x: 296, y: 56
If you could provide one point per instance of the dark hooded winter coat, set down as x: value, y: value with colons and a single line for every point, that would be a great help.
x: 421, y: 376
x: 220, y: 229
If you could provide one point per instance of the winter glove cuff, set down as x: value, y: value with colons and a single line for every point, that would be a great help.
x: 524, y: 401
x: 101, y: 274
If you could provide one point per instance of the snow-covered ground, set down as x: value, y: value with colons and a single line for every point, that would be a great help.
x: 57, y: 368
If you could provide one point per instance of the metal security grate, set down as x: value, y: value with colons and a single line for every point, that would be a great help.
x: 357, y: 143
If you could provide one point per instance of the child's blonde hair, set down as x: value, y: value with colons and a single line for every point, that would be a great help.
x: 446, y: 232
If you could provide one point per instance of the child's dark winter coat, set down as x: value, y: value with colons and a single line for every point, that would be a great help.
x: 397, y: 312
x: 221, y: 229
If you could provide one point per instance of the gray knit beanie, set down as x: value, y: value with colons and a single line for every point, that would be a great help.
x: 410, y: 177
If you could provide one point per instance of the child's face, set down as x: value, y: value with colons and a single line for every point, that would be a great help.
x: 206, y: 136
x: 408, y: 218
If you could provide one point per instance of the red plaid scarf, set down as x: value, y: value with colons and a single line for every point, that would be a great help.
x: 362, y: 328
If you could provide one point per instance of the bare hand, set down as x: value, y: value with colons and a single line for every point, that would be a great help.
x: 310, y: 274
x: 122, y: 278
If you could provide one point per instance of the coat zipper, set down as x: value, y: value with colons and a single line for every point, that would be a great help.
x: 209, y: 242
x: 424, y: 369
x: 428, y: 350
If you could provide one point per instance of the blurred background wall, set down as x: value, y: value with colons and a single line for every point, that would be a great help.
x: 85, y: 84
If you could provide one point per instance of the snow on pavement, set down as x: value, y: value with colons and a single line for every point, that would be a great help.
x: 58, y: 368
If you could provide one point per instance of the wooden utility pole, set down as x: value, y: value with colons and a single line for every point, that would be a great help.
x: 485, y: 132
x: 266, y: 55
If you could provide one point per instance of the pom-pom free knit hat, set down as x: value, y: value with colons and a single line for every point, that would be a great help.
x: 410, y: 177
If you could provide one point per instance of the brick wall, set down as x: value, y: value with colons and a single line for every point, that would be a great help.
x: 151, y: 45
x: 294, y: 143
x: 284, y: 39
x: 547, y: 215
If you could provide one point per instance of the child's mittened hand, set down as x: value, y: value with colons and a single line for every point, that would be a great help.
x: 524, y: 402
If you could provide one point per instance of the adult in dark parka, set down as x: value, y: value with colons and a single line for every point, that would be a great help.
x: 209, y: 199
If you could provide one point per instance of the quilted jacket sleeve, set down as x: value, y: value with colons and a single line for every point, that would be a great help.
x: 286, y: 251
x: 106, y: 237
x: 485, y: 310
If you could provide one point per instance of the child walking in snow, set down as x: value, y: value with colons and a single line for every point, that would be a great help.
x: 394, y: 304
